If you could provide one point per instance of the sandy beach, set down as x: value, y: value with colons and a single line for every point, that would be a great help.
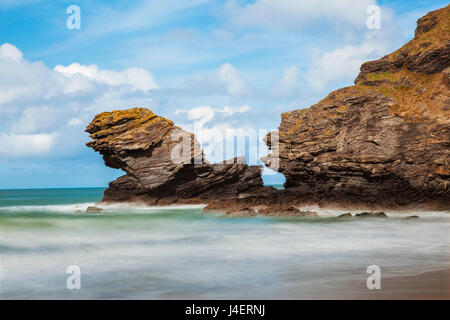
x: 434, y: 285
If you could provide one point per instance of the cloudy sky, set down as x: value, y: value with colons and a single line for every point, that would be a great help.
x: 211, y: 66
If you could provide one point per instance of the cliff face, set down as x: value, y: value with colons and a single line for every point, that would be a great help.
x: 163, y: 163
x: 384, y: 140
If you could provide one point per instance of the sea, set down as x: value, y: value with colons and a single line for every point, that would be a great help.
x: 51, y: 249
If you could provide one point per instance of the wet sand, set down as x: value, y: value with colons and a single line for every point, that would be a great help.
x: 434, y: 285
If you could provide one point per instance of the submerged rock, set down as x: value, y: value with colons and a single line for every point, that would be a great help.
x: 371, y: 215
x: 308, y: 214
x: 412, y: 218
x: 284, y: 209
x: 279, y: 209
x: 93, y: 209
x: 345, y: 215
x: 242, y: 212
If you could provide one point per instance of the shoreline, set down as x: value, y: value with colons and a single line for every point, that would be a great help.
x: 429, y: 285
x: 322, y: 211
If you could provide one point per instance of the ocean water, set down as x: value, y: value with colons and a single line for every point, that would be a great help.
x: 138, y: 252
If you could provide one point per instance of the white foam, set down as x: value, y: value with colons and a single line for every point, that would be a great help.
x: 334, y: 212
x: 107, y: 208
x: 208, y: 257
x: 59, y: 208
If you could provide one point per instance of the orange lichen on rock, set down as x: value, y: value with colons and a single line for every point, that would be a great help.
x: 163, y: 163
x: 119, y: 129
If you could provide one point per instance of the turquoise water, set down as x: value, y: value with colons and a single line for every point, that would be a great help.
x: 138, y: 252
x: 30, y: 197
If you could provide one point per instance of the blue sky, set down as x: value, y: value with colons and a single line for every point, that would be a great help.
x: 211, y: 66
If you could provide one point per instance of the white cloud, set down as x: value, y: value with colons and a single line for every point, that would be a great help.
x: 235, y: 84
x: 204, y: 114
x: 343, y: 63
x: 225, y: 140
x: 35, y: 119
x: 75, y: 122
x: 25, y: 145
x: 288, y: 84
x: 340, y: 65
x: 282, y: 14
x: 7, y: 50
x: 138, y: 79
x: 225, y: 81
x: 22, y: 79
x: 223, y: 133
x: 42, y: 110
x: 232, y: 110
x: 201, y: 115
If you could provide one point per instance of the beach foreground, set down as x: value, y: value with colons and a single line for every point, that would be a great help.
x: 431, y: 285
x: 141, y: 252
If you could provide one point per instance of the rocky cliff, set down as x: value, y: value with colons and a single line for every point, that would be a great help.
x: 163, y: 163
x: 385, y: 140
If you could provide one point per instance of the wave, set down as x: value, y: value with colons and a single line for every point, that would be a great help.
x: 135, y: 208
x: 107, y: 208
x: 334, y: 212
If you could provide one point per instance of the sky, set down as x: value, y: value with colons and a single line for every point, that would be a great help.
x: 219, y: 68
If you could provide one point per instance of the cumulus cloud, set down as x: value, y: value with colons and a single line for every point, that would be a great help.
x: 75, y: 122
x: 21, y: 79
x: 25, y: 145
x: 235, y: 84
x: 7, y: 50
x: 225, y: 80
x: 287, y: 14
x: 138, y: 79
x: 223, y: 133
x: 42, y: 109
x: 288, y: 84
x: 204, y: 114
x: 343, y: 63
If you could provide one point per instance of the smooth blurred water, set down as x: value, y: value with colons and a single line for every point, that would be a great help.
x: 178, y: 252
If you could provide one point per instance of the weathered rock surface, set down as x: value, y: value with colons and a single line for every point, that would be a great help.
x: 279, y: 209
x: 371, y: 215
x: 284, y: 209
x: 428, y: 52
x: 163, y: 163
x: 383, y: 141
x: 345, y: 215
x: 93, y: 209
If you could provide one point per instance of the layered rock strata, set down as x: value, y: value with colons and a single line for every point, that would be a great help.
x: 385, y: 140
x: 163, y: 163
